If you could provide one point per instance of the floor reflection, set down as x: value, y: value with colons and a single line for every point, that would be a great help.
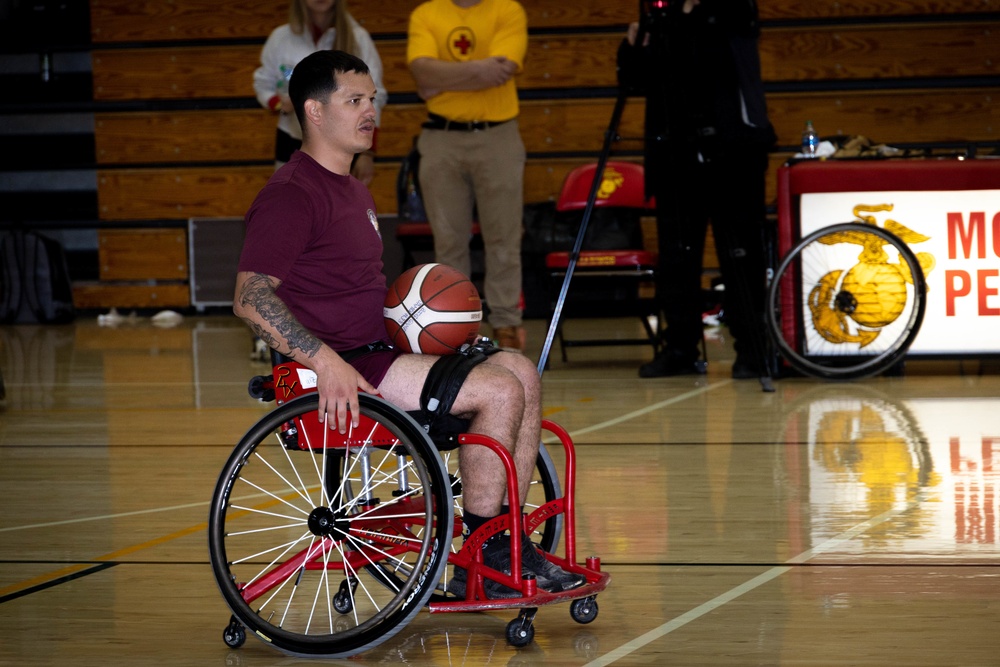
x: 934, y: 461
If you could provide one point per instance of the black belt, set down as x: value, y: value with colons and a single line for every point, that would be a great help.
x: 436, y: 122
x: 377, y: 346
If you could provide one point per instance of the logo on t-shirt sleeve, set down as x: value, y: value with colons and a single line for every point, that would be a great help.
x: 374, y: 220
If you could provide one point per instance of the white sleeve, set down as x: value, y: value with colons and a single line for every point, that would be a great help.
x: 265, y: 77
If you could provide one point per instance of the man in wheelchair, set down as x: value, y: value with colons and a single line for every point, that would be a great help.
x: 310, y: 284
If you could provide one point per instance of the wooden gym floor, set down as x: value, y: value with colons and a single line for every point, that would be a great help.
x: 823, y: 524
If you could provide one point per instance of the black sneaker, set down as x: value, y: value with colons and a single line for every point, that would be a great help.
x: 494, y: 591
x: 673, y: 362
x: 550, y: 577
x: 496, y: 555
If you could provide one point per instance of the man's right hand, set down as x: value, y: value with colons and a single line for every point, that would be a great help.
x: 338, y: 383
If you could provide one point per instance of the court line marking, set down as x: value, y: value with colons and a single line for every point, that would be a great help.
x: 103, y: 517
x: 642, y: 411
x: 64, y: 573
x: 589, y: 429
x: 71, y: 575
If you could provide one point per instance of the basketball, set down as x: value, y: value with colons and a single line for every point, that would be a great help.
x: 432, y: 309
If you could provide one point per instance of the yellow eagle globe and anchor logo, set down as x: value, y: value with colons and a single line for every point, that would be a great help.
x: 611, y: 180
x: 871, y: 294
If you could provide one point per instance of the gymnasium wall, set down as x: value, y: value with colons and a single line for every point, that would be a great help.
x: 149, y: 113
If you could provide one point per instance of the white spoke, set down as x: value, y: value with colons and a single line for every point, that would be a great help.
x: 361, y: 584
x: 254, y: 510
x: 312, y: 457
x: 272, y: 495
x: 303, y: 491
x: 323, y: 583
x: 293, y: 574
x: 287, y: 546
x: 297, y: 524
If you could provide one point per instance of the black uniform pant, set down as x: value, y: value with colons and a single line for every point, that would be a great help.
x: 727, y: 191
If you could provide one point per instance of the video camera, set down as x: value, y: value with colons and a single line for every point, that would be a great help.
x: 655, y: 8
x: 654, y: 13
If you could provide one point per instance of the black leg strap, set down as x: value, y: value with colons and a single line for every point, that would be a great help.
x: 441, y: 388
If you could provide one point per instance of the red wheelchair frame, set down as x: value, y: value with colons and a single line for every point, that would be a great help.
x: 377, y: 533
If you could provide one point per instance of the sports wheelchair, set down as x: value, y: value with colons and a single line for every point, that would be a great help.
x: 326, y: 545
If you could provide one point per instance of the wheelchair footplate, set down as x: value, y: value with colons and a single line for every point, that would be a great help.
x: 583, y: 602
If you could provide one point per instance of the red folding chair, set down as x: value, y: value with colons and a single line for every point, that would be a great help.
x: 617, y: 281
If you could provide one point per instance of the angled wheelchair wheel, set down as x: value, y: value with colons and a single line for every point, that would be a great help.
x: 846, y: 302
x: 327, y: 545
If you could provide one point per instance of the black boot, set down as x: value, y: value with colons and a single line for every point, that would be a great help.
x: 669, y: 362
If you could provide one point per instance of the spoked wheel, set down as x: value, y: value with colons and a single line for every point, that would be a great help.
x: 306, y: 523
x: 847, y: 302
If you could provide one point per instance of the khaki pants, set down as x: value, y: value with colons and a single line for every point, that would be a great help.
x: 483, y: 168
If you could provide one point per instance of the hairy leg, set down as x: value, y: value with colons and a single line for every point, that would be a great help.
x: 528, y: 437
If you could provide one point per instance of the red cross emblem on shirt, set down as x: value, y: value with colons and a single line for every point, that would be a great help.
x: 461, y: 43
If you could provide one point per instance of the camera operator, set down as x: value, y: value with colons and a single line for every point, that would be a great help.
x: 707, y: 137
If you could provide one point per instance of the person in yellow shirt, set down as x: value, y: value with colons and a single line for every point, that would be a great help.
x: 463, y: 55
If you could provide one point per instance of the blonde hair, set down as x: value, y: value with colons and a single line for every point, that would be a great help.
x: 343, y: 39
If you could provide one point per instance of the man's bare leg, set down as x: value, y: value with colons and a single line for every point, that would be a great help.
x: 529, y: 434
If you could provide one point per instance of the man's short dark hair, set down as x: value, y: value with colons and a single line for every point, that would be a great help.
x: 315, y: 78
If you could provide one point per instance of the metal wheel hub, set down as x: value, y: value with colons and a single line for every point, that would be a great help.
x: 323, y: 522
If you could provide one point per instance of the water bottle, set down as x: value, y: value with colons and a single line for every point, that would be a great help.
x: 810, y: 140
x: 414, y: 207
x: 286, y: 76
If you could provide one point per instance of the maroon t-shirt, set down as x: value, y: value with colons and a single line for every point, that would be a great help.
x: 317, y: 232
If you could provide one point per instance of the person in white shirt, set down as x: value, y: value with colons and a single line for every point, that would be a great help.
x: 313, y: 25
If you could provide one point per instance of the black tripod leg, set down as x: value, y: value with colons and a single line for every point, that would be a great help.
x: 574, y: 256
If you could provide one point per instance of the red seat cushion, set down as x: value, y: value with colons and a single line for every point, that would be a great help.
x: 602, y: 259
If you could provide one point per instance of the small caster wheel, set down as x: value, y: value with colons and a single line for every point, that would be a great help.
x: 520, y: 632
x: 342, y: 600
x: 234, y: 635
x: 583, y: 610
x: 342, y: 603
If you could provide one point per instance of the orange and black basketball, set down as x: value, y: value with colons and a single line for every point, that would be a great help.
x: 432, y: 309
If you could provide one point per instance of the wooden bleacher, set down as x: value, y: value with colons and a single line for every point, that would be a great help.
x: 178, y: 133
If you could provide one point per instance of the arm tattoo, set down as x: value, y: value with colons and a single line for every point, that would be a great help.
x: 258, y: 293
